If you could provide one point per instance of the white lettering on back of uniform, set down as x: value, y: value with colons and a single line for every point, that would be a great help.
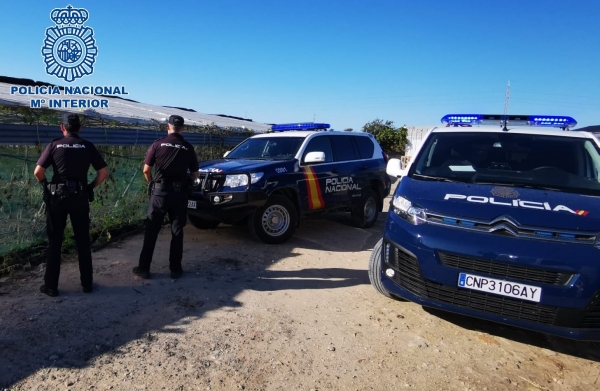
x: 178, y: 146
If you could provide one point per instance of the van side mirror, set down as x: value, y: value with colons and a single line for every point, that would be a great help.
x: 314, y: 157
x: 394, y: 168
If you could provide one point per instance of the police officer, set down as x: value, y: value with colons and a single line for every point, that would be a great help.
x: 69, y: 194
x: 171, y: 158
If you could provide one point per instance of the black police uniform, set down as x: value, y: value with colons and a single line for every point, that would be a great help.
x: 70, y: 158
x: 171, y: 158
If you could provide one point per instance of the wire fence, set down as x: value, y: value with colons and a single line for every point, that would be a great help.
x: 121, y: 201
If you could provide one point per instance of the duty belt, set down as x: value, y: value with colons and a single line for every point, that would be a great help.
x: 170, y: 185
x: 69, y: 186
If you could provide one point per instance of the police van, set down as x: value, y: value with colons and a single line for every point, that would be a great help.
x: 271, y: 180
x: 498, y: 222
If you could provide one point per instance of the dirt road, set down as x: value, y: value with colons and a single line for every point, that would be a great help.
x: 250, y: 316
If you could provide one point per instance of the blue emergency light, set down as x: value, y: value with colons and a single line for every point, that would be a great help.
x: 554, y: 121
x: 299, y: 126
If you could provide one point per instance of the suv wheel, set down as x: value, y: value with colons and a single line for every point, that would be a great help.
x: 200, y: 223
x: 275, y: 222
x: 366, y: 212
x: 375, y: 271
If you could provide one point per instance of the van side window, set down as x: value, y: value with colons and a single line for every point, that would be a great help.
x: 319, y: 144
x: 365, y: 147
x: 343, y: 148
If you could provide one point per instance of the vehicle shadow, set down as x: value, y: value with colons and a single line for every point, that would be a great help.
x: 582, y: 349
x: 75, y: 329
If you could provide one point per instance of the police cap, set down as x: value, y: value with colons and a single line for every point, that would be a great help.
x: 176, y: 120
x: 72, y: 120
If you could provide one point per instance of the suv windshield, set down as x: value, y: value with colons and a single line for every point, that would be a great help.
x: 512, y: 159
x: 278, y: 148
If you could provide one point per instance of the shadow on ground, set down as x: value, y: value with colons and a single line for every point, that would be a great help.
x: 75, y: 329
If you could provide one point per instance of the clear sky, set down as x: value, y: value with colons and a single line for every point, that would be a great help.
x: 344, y: 62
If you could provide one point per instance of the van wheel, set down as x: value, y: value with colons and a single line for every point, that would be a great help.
x: 275, y: 222
x: 375, y: 269
x: 366, y: 212
x: 200, y: 223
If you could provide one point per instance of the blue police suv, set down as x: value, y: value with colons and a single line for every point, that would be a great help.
x: 270, y: 180
x: 500, y: 223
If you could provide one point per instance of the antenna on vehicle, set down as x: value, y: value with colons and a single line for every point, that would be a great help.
x: 506, y: 100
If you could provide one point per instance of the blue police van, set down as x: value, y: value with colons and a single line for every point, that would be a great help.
x: 270, y: 180
x: 499, y: 222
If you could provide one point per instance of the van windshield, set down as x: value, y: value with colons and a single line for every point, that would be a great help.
x: 538, y: 161
x: 277, y: 148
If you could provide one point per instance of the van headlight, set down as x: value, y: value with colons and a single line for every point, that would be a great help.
x: 234, y: 181
x: 405, y: 209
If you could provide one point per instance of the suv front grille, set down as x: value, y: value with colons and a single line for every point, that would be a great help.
x: 210, y: 182
x: 504, y: 270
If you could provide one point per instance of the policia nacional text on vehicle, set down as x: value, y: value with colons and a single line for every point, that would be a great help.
x: 172, y: 157
x: 69, y: 194
x: 270, y: 180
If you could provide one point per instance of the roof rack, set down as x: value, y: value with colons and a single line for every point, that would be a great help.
x: 299, y: 126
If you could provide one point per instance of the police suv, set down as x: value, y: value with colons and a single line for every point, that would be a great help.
x: 270, y: 180
x: 500, y: 223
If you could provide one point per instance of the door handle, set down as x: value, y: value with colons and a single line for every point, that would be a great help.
x: 362, y: 167
x: 335, y: 170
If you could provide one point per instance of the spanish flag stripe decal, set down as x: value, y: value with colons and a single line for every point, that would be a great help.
x: 315, y: 199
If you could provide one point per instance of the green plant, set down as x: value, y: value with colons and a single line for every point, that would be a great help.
x: 388, y: 136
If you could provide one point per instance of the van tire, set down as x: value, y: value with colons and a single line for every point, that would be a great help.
x: 375, y: 262
x: 275, y: 222
x: 365, y: 214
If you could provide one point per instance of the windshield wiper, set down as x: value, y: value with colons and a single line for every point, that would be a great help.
x: 434, y: 178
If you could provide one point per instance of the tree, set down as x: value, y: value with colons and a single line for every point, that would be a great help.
x: 387, y: 135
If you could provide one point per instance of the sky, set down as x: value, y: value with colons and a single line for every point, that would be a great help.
x: 344, y: 62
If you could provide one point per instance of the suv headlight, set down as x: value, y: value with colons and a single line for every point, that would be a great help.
x: 405, y: 209
x: 238, y: 180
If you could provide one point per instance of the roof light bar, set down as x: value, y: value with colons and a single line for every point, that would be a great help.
x: 563, y: 122
x: 299, y: 126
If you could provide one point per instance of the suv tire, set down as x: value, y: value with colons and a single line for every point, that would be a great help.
x: 275, y: 222
x: 200, y: 223
x: 366, y: 212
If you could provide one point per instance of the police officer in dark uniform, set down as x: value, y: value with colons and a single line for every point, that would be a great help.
x: 171, y: 158
x: 69, y: 194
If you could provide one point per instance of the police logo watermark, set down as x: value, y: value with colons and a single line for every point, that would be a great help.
x: 69, y: 49
x: 505, y: 192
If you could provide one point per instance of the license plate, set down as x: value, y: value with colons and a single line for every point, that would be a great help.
x: 500, y: 287
x: 191, y: 204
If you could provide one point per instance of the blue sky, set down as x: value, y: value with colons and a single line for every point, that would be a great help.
x: 344, y: 62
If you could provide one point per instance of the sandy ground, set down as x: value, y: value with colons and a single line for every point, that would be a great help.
x: 250, y: 316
